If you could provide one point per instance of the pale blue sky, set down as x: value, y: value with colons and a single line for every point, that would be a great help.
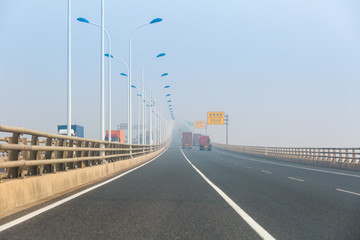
x: 287, y: 72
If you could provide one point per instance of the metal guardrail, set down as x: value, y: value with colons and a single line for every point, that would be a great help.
x: 37, y: 152
x: 335, y: 155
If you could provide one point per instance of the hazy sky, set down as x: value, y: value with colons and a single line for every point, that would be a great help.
x: 287, y: 72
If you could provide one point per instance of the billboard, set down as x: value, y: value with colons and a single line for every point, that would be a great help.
x: 200, y: 124
x: 215, y: 118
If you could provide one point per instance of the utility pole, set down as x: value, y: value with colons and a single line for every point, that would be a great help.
x: 227, y: 128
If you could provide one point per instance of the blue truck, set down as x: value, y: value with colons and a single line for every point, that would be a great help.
x: 76, y: 130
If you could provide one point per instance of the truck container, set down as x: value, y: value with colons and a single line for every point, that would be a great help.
x: 196, y: 139
x: 205, y: 143
x: 187, y: 140
x: 116, y: 136
x: 76, y: 130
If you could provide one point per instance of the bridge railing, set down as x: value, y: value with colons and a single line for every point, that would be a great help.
x: 27, y: 152
x: 333, y: 155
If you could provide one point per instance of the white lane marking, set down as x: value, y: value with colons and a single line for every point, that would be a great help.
x: 296, y: 179
x: 266, y: 172
x: 248, y: 167
x: 254, y: 225
x: 51, y: 206
x: 286, y: 165
x: 341, y: 190
x: 236, y: 164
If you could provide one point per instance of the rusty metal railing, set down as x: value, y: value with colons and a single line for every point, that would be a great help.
x: 334, y: 155
x: 27, y: 152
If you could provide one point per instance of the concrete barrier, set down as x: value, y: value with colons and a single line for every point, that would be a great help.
x: 307, y: 156
x: 17, y: 194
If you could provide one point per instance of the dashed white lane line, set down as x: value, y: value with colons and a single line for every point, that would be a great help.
x: 254, y: 225
x: 248, y: 167
x: 345, y: 191
x: 55, y: 204
x: 296, y: 179
x: 287, y: 165
x: 236, y: 164
x: 266, y: 172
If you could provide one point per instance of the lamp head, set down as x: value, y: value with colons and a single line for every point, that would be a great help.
x: 84, y: 20
x: 156, y: 20
x: 161, y: 55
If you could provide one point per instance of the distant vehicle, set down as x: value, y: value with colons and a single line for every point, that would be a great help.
x: 187, y: 140
x: 76, y: 130
x: 205, y: 143
x: 196, y: 139
x: 116, y: 136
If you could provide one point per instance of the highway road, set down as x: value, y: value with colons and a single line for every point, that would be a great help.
x: 192, y: 194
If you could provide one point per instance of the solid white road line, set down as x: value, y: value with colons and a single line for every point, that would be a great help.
x: 292, y: 166
x: 354, y: 193
x: 296, y: 179
x: 254, y: 225
x: 266, y: 172
x: 53, y: 205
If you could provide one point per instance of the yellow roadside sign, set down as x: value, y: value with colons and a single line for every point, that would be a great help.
x: 200, y: 124
x: 215, y: 118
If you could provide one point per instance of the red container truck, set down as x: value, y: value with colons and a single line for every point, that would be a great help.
x: 196, y: 139
x: 116, y: 136
x: 205, y: 143
x: 187, y: 140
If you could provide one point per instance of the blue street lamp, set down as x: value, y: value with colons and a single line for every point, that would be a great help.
x: 156, y: 20
x: 152, y: 104
x: 143, y: 91
x: 102, y: 104
x: 161, y: 55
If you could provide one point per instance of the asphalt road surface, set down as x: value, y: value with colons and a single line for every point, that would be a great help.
x: 192, y: 194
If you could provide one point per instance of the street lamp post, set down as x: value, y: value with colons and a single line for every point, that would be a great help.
x: 69, y: 71
x: 84, y: 20
x: 163, y: 127
x: 102, y: 85
x: 152, y: 103
x: 151, y: 111
x: 123, y: 74
x: 143, y: 88
x: 102, y: 107
x: 139, y: 95
x: 156, y: 20
x: 138, y: 124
